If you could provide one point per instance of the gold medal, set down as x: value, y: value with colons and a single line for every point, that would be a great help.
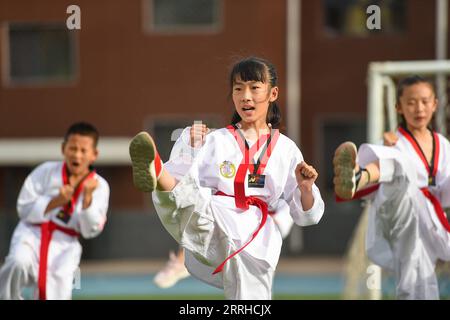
x: 227, y: 169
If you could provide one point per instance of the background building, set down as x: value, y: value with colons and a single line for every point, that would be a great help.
x: 158, y: 65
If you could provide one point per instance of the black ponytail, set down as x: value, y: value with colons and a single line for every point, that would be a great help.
x: 274, y: 115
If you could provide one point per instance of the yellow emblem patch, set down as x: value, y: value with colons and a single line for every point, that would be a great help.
x: 227, y: 169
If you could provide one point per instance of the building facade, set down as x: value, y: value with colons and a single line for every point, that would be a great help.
x: 159, y: 65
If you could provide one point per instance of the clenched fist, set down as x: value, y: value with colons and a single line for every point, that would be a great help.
x: 306, y: 175
x: 63, y: 198
x: 65, y: 193
x: 90, y: 185
x: 390, y: 138
x: 198, y: 132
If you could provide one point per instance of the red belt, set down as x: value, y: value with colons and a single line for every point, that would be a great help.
x: 249, y: 201
x: 360, y: 194
x: 47, y: 229
x: 437, y: 207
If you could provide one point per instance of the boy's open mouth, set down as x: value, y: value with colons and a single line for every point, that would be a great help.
x: 76, y: 164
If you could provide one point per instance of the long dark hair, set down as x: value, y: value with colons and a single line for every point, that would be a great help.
x: 410, y: 81
x: 257, y: 69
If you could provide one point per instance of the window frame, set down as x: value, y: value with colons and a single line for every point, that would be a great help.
x: 39, y: 81
x: 320, y: 122
x: 150, y: 121
x: 335, y: 33
x: 149, y: 26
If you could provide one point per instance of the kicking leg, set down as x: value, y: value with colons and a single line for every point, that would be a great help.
x: 348, y: 176
x: 148, y: 170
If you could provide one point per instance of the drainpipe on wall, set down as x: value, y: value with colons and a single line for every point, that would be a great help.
x: 293, y: 35
x: 441, y: 54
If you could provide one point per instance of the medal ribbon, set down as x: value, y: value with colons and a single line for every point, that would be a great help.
x: 247, y: 161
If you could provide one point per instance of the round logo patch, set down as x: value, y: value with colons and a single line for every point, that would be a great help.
x: 227, y: 169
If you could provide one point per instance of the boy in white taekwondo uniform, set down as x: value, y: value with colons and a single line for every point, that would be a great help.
x: 58, y: 202
x: 220, y: 211
x: 410, y: 185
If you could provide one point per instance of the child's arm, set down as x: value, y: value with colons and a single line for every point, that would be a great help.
x: 307, y: 208
x: 389, y: 138
x: 88, y: 189
x: 64, y: 196
x: 33, y: 203
x: 306, y: 175
x: 92, y: 217
x: 198, y: 133
x: 185, y: 150
x: 445, y: 172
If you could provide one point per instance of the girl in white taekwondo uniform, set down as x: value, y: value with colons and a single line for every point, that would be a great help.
x: 184, y: 151
x: 410, y: 184
x: 221, y: 210
x: 59, y: 201
x: 181, y: 158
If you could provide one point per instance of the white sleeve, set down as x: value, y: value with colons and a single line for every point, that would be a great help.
x: 445, y: 197
x: 32, y: 200
x: 181, y: 156
x: 282, y: 218
x: 445, y: 189
x: 92, y: 219
x: 292, y: 196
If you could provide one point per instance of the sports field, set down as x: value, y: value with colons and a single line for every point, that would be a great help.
x: 296, y: 279
x: 286, y: 286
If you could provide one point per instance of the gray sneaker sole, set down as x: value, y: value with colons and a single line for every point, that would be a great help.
x: 344, y: 165
x: 142, y: 153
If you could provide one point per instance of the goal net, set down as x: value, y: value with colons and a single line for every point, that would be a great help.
x: 363, y: 279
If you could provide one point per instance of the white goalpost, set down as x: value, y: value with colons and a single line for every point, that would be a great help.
x: 381, y: 76
x: 363, y: 280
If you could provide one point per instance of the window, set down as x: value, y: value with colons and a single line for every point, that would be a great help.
x: 184, y: 16
x: 334, y: 132
x: 40, y: 54
x: 166, y: 133
x: 341, y: 218
x: 348, y: 17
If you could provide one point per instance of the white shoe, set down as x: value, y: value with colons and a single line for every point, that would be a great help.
x: 172, y: 272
